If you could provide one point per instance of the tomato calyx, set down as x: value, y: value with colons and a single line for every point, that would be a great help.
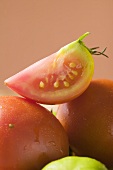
x: 93, y: 50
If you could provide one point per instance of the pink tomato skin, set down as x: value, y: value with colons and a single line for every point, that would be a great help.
x: 30, y: 136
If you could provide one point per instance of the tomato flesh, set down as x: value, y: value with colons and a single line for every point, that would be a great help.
x: 57, y: 78
x: 63, y: 75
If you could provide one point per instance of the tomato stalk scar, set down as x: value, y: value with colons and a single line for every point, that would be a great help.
x: 11, y: 125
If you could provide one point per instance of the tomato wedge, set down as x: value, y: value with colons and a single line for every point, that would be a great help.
x: 57, y: 78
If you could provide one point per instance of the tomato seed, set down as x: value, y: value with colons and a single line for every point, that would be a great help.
x: 66, y: 84
x: 41, y: 85
x: 71, y: 76
x: 72, y: 65
x: 75, y: 72
x: 56, y: 84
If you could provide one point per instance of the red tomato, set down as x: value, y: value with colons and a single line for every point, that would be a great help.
x: 57, y: 78
x: 88, y: 121
x: 30, y: 136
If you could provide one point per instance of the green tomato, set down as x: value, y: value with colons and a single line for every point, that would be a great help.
x: 75, y: 163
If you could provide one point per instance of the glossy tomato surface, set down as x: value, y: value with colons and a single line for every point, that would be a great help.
x: 88, y: 121
x: 30, y: 136
x: 57, y: 78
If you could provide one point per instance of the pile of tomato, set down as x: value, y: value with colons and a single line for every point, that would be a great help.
x: 31, y: 136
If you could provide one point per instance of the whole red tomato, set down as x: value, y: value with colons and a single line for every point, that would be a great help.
x: 30, y: 136
x: 88, y: 121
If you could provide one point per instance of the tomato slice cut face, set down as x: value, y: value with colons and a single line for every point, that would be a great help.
x: 57, y: 78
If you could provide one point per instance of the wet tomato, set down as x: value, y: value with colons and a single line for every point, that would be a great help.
x: 30, y: 136
x: 57, y: 78
x: 88, y: 121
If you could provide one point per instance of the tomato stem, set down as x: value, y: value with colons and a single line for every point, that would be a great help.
x: 83, y: 36
x: 93, y: 50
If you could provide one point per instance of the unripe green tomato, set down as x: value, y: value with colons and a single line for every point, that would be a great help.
x: 75, y: 163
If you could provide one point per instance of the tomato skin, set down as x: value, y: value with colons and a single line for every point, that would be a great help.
x: 75, y: 163
x: 57, y: 78
x: 30, y: 136
x: 88, y: 121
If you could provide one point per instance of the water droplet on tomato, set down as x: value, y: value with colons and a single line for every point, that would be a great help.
x: 25, y: 147
x: 110, y: 131
x: 52, y: 143
x: 36, y: 140
x: 62, y: 152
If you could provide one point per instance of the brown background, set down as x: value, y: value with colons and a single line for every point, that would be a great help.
x: 33, y: 29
